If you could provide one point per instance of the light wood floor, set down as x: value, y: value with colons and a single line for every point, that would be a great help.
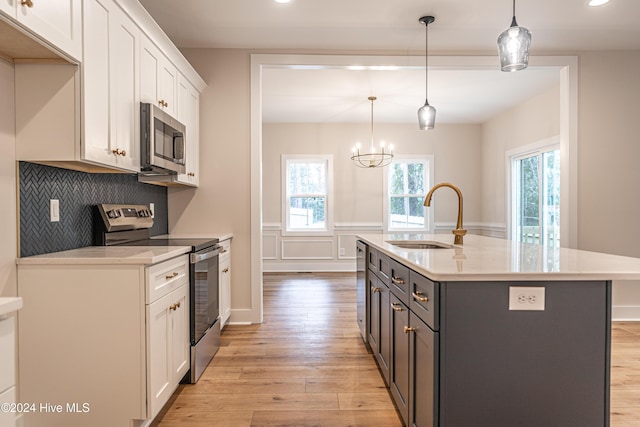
x: 306, y: 366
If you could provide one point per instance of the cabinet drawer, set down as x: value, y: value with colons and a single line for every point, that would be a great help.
x: 165, y: 277
x: 373, y: 260
x: 399, y: 280
x: 384, y: 268
x: 423, y: 299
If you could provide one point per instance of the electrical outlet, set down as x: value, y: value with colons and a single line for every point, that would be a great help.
x: 152, y: 208
x: 342, y: 252
x: 526, y: 298
x: 54, y: 210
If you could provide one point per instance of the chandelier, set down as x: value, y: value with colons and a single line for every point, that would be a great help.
x: 372, y: 159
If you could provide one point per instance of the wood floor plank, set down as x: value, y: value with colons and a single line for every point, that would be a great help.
x: 306, y: 365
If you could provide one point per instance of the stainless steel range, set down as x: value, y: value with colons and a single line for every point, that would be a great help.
x: 118, y: 224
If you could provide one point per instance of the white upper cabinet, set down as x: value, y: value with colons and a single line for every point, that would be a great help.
x: 159, y: 78
x: 189, y: 115
x: 56, y: 21
x: 110, y: 86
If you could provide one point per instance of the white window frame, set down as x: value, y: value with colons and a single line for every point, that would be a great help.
x: 514, y: 155
x: 327, y: 159
x: 428, y: 161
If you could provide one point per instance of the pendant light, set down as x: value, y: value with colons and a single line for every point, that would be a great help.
x: 513, y: 46
x: 373, y: 159
x: 426, y: 113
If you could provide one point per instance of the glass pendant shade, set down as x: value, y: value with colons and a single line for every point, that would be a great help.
x: 426, y: 116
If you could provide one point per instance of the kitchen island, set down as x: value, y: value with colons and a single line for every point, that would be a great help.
x: 492, y: 332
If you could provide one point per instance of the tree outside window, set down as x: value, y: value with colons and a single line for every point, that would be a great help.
x: 408, y: 181
x: 307, y: 191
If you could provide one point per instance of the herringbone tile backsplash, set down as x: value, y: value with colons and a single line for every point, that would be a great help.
x: 78, y: 193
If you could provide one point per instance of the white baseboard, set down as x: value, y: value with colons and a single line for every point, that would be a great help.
x: 625, y: 313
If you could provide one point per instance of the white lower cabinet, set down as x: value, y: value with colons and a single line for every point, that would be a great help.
x: 224, y: 281
x: 112, y: 339
x: 168, y: 356
x: 7, y: 370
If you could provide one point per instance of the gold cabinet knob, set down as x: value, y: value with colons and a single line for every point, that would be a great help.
x: 226, y: 270
x: 191, y: 174
x: 123, y: 153
x: 408, y: 329
x: 27, y: 3
x: 178, y: 304
x: 163, y: 103
x: 116, y: 151
x: 173, y: 307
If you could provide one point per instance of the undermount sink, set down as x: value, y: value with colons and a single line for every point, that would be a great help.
x: 419, y: 244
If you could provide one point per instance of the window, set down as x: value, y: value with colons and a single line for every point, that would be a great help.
x: 535, y: 195
x: 307, y: 185
x: 408, y: 179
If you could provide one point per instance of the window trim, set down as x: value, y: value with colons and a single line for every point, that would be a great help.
x: 429, y: 179
x: 328, y: 228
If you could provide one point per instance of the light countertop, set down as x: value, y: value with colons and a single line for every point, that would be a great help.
x: 485, y: 258
x: 9, y: 305
x: 115, y: 255
x: 221, y: 237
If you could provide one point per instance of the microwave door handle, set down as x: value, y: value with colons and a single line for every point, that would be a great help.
x: 202, y: 256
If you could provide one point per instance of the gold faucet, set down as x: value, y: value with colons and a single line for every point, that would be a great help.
x: 459, y: 231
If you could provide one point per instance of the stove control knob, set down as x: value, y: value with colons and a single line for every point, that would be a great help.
x: 113, y: 213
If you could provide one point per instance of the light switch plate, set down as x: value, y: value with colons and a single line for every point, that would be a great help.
x: 526, y: 298
x: 54, y: 210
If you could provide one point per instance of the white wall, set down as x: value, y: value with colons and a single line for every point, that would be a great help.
x: 536, y: 120
x: 8, y: 209
x: 609, y: 163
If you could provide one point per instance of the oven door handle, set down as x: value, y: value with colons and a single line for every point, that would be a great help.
x: 202, y: 256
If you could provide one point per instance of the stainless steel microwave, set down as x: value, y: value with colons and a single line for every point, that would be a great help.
x: 162, y: 142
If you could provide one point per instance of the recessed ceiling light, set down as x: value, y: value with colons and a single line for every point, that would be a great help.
x: 598, y: 2
x: 283, y: 1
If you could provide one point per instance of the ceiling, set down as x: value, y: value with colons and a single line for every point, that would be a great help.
x: 461, y: 26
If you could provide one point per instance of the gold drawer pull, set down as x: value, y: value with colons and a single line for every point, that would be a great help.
x: 396, y: 306
x: 171, y: 276
x: 163, y: 103
x: 27, y: 3
x: 418, y: 296
x: 407, y: 329
x: 374, y: 289
x: 119, y: 152
x: 398, y: 280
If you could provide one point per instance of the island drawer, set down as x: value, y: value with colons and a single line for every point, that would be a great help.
x: 423, y: 299
x: 384, y: 268
x: 399, y: 280
x: 373, y: 260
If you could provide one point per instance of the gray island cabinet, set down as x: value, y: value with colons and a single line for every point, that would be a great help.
x: 492, y: 333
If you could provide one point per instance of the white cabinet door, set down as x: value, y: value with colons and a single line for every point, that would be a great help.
x: 225, y: 283
x: 181, y: 354
x: 168, y: 351
x: 96, y: 139
x: 7, y: 418
x: 189, y: 115
x: 159, y: 368
x: 110, y: 86
x: 8, y: 7
x: 124, y: 47
x: 56, y: 21
x: 159, y: 78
